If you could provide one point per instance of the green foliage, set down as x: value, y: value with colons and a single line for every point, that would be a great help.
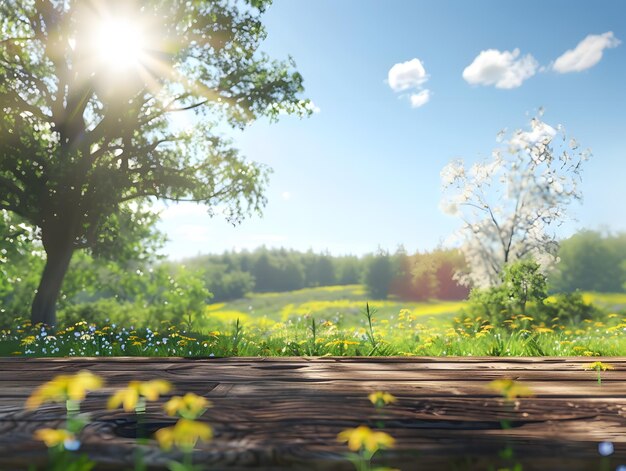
x: 570, y: 308
x: 490, y: 303
x: 21, y: 258
x: 591, y: 261
x: 521, y: 283
x: 379, y: 274
x: 101, y: 310
x: 185, y: 296
x: 93, y: 138
x: 227, y: 285
x: 432, y: 275
x: 232, y: 274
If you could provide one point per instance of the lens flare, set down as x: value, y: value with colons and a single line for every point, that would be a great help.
x: 119, y: 44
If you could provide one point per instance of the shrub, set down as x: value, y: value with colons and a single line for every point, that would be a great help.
x: 570, y: 307
x: 522, y: 283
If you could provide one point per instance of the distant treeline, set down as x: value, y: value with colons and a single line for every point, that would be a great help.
x: 420, y: 276
x: 589, y: 261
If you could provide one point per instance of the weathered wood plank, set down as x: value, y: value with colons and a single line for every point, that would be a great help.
x: 285, y: 413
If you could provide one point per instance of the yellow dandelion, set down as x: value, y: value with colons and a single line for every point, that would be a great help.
x: 129, y: 396
x: 543, y: 330
x: 28, y: 340
x: 599, y: 367
x: 64, y: 387
x: 366, y: 439
x: 184, y: 435
x: 189, y: 406
x: 509, y: 389
x: 381, y: 398
x: 54, y: 437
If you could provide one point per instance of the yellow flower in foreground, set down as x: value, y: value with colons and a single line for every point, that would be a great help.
x: 510, y: 389
x: 599, y: 366
x: 185, y: 434
x: 189, y: 406
x: 129, y: 396
x: 364, y: 438
x: 381, y: 398
x: 64, y: 387
x: 54, y: 437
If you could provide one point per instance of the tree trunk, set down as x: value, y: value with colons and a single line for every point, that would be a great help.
x: 57, y: 263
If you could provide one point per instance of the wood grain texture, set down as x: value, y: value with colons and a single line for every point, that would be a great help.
x: 285, y: 413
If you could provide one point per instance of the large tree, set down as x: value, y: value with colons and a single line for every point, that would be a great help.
x: 511, y: 204
x: 108, y: 103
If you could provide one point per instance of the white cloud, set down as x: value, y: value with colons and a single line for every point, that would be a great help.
x: 586, y: 54
x: 504, y: 69
x: 410, y: 75
x: 406, y: 75
x: 420, y: 99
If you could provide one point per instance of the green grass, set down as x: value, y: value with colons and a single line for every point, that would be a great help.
x: 341, y: 304
x: 331, y: 321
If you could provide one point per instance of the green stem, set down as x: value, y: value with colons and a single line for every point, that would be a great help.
x: 188, y: 459
x: 140, y: 410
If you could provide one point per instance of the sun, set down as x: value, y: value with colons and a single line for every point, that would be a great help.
x: 119, y: 44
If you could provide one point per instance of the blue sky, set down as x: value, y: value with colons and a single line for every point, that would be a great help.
x: 363, y: 172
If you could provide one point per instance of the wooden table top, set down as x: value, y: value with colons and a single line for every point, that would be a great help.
x: 285, y: 413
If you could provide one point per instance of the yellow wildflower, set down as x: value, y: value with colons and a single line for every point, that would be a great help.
x: 543, y: 330
x: 185, y: 434
x: 64, y: 387
x: 364, y: 438
x: 381, y: 398
x: 599, y: 366
x: 54, y: 437
x: 189, y: 406
x: 129, y: 396
x: 28, y: 340
x: 509, y: 389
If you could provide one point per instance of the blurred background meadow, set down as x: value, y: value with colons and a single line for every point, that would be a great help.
x: 166, y: 202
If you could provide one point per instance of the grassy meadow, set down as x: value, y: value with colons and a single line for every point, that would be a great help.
x: 336, y: 320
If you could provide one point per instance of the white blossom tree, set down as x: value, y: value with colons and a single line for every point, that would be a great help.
x: 511, y: 204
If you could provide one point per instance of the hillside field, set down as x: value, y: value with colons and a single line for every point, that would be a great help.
x: 343, y: 305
